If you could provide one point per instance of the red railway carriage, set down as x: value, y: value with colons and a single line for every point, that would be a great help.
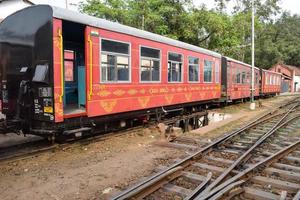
x: 73, y: 70
x: 236, y: 80
x: 270, y: 82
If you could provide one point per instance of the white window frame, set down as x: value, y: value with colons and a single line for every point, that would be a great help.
x: 182, y: 67
x: 212, y: 67
x: 140, y: 63
x: 240, y: 77
x: 112, y: 53
x: 188, y: 68
x: 217, y: 72
x: 245, y: 80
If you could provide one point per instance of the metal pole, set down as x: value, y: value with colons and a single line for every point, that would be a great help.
x: 252, y: 105
x: 66, y: 4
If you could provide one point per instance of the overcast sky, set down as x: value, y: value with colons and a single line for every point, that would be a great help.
x: 291, y: 5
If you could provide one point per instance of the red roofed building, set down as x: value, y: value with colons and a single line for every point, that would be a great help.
x: 290, y: 79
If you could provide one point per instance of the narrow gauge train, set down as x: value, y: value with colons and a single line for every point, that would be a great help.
x: 66, y: 73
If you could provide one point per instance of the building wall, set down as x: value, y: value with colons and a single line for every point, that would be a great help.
x: 11, y: 6
x: 288, y: 73
x: 281, y: 69
x: 297, y: 80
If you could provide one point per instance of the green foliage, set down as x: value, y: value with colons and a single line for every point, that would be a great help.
x: 230, y: 34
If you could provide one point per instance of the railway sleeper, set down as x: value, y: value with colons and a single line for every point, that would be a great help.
x: 286, y: 167
x: 191, y: 141
x: 177, y: 145
x: 195, y: 178
x: 256, y: 135
x: 286, y: 143
x: 183, y: 192
x: 289, y: 175
x: 249, y: 137
x: 257, y: 194
x: 237, y: 146
x: 278, y: 184
x: 221, y: 160
x: 232, y: 151
x: 246, y: 142
x: 214, y: 169
x: 291, y: 159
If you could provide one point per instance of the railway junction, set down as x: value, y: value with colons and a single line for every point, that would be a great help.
x: 232, y: 158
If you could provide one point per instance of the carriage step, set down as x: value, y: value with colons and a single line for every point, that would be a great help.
x: 77, y: 132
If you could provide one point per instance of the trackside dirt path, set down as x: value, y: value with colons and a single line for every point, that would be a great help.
x: 99, y: 170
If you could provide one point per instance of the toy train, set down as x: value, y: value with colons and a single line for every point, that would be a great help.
x: 66, y: 73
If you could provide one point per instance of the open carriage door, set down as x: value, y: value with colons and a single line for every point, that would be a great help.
x: 58, y: 70
x: 92, y: 69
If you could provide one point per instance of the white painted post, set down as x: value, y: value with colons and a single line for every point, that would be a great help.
x: 252, y: 104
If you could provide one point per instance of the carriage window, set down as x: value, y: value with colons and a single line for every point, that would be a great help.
x: 208, y: 71
x: 217, y: 73
x: 150, y: 64
x: 174, y: 67
x: 69, y: 59
x: 256, y: 78
x: 249, y: 77
x: 193, y: 69
x: 243, y: 77
x: 114, y: 61
x: 238, y: 77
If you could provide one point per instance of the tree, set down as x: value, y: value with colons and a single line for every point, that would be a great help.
x: 229, y: 34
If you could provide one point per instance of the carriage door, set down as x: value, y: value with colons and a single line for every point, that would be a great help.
x: 74, y: 79
x: 74, y: 70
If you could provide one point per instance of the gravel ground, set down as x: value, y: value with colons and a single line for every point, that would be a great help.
x: 101, y: 169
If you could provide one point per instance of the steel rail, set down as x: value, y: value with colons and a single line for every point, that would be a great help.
x: 244, y: 175
x: 138, y: 188
x: 246, y: 155
x: 213, y: 191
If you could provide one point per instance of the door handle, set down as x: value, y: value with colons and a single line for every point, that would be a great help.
x: 91, y: 67
x: 62, y: 65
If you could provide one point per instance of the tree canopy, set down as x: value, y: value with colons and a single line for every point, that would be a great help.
x: 277, y: 36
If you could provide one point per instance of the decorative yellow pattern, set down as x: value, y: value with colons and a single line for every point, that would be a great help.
x: 142, y: 91
x: 132, y: 91
x: 188, y: 96
x: 58, y: 109
x: 144, y: 101
x: 153, y: 91
x: 179, y: 89
x: 169, y: 98
x: 214, y: 93
x: 164, y: 90
x: 108, y: 105
x: 119, y: 92
x: 57, y: 42
x: 104, y: 93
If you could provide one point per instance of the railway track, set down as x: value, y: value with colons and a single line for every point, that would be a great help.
x: 34, y: 148
x: 201, y: 175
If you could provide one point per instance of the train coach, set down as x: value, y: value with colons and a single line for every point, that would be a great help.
x: 236, y: 80
x: 65, y: 73
x: 270, y: 83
